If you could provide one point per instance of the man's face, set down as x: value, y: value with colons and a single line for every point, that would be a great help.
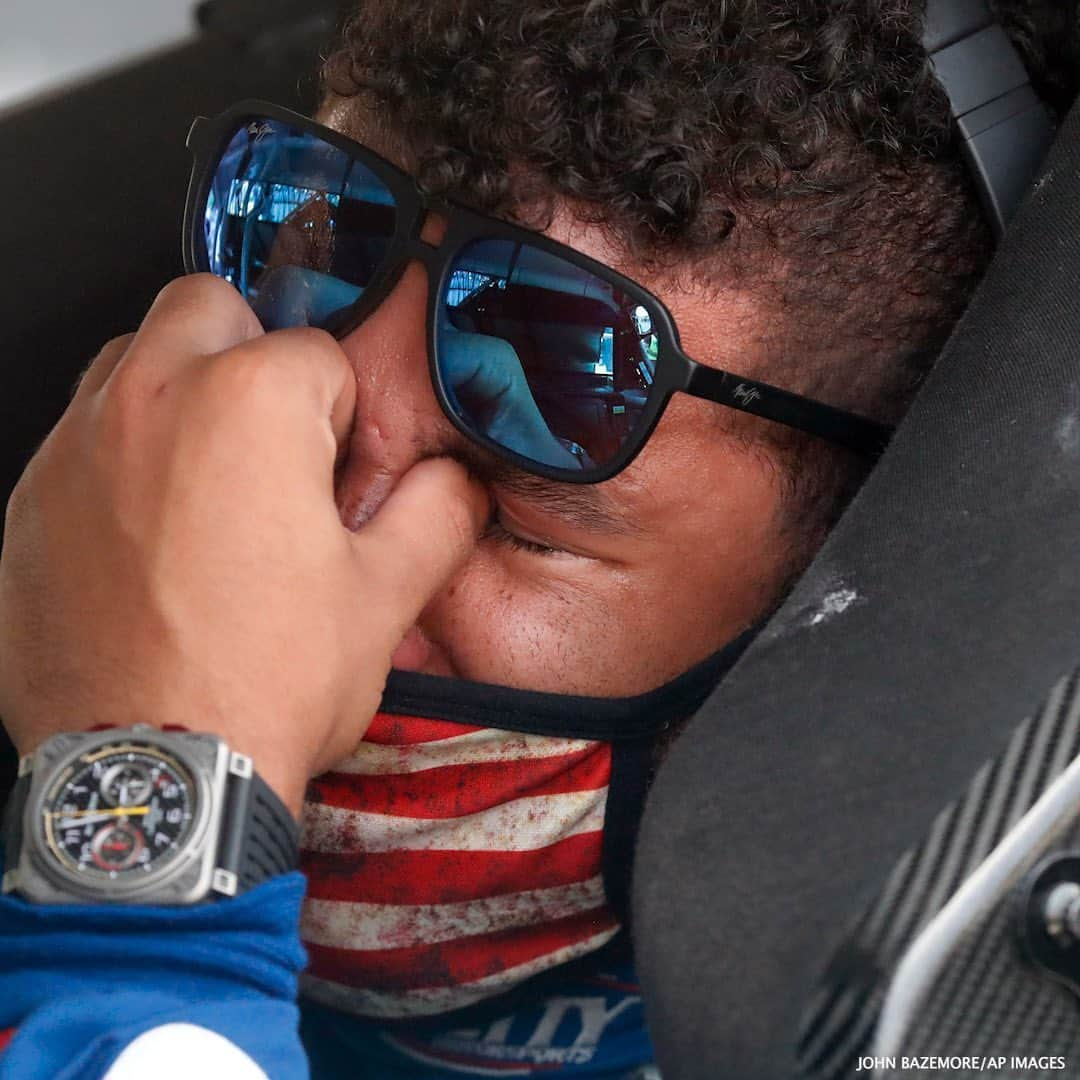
x: 641, y: 576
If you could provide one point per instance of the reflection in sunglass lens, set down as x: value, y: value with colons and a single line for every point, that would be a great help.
x: 541, y: 356
x: 298, y: 226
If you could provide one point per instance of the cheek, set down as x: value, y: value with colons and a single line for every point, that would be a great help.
x: 506, y: 620
x: 710, y: 564
x: 596, y: 631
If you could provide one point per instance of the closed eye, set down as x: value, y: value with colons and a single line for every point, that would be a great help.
x: 499, y: 534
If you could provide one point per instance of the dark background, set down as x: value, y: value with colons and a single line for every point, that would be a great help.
x: 92, y: 188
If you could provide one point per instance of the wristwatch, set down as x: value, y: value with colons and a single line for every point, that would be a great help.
x: 141, y: 815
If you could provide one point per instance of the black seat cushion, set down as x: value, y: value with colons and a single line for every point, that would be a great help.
x: 935, y: 620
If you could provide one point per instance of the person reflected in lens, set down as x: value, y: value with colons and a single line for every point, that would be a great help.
x: 583, y: 350
x: 488, y: 386
x: 272, y: 225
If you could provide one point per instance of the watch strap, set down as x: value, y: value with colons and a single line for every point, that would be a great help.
x: 11, y: 831
x: 260, y: 839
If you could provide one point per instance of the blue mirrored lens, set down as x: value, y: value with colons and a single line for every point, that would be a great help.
x: 297, y: 225
x: 543, y: 357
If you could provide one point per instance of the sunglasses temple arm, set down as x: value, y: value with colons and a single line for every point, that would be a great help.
x: 856, y: 433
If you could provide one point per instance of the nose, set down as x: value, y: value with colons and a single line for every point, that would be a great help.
x: 398, y: 420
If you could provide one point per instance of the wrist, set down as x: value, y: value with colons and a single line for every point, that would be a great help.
x: 144, y: 815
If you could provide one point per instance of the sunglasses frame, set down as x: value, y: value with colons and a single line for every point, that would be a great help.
x: 674, y: 371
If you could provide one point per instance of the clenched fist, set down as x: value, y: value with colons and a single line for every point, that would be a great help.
x: 174, y: 553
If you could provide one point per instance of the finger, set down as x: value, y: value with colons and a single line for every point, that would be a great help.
x: 421, y: 535
x: 96, y: 374
x: 191, y: 317
x: 343, y: 407
x: 306, y: 378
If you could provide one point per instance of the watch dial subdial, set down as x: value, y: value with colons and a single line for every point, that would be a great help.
x: 120, y: 811
x: 126, y: 783
x: 117, y: 846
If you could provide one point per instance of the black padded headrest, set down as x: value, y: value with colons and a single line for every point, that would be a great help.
x: 936, y: 618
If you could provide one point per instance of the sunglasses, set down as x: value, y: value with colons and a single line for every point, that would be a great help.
x: 549, y: 359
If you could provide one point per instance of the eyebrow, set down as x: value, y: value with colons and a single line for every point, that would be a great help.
x: 585, y: 506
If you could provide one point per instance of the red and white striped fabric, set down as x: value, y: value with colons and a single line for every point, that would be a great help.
x: 448, y: 863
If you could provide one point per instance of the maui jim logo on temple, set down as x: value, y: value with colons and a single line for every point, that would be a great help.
x: 746, y: 395
x: 259, y: 129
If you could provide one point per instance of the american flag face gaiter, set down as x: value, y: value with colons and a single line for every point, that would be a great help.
x: 448, y: 862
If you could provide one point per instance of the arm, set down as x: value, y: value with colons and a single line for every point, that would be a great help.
x: 213, y: 986
x: 173, y: 555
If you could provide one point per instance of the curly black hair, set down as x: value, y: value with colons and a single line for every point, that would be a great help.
x: 801, y: 146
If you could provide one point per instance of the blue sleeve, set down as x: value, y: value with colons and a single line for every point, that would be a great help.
x: 80, y: 982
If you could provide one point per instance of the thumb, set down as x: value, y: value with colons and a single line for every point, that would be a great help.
x: 421, y: 535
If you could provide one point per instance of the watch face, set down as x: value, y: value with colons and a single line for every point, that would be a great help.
x: 119, y: 812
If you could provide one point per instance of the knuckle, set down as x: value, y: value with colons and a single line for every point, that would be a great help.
x: 308, y: 337
x: 103, y: 361
x: 246, y: 374
x: 128, y: 391
x: 113, y: 345
x: 201, y: 289
x: 276, y: 361
x: 310, y: 343
x: 209, y: 298
x: 125, y: 407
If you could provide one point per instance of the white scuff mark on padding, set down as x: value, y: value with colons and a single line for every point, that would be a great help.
x: 1043, y: 180
x: 835, y: 603
x: 1067, y: 434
